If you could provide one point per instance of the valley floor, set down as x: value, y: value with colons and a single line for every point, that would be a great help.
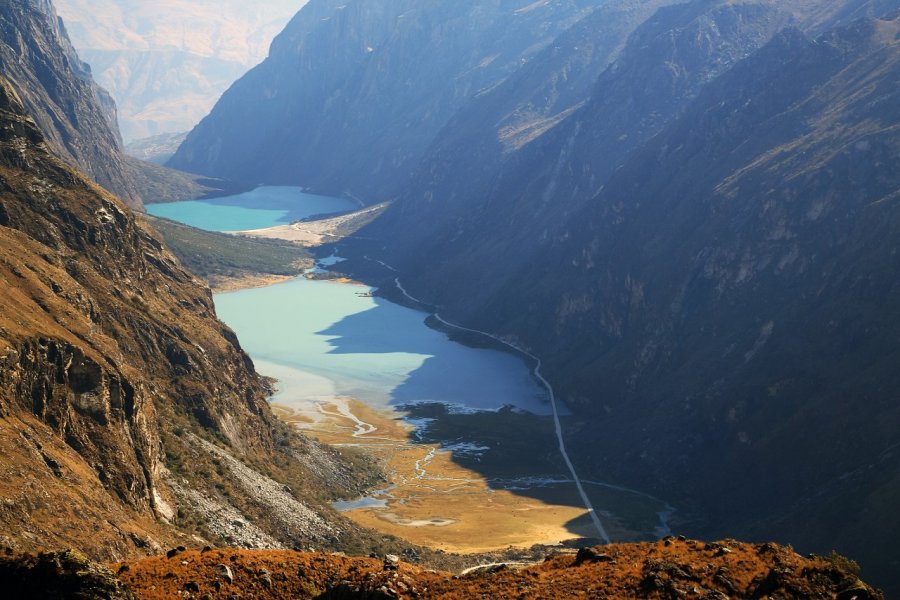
x: 441, y: 495
x: 317, y: 232
x: 432, y: 500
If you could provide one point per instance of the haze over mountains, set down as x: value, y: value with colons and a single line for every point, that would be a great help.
x: 166, y: 63
x: 77, y: 116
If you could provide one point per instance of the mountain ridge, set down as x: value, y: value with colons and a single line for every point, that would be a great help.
x: 130, y: 418
x: 624, y: 105
x: 353, y: 91
x: 721, y: 302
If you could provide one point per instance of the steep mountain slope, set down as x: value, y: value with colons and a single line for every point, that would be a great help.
x: 167, y: 63
x: 128, y: 413
x: 722, y: 306
x: 354, y: 91
x: 77, y: 117
x: 477, y: 161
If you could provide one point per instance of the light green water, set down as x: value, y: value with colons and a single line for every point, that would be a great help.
x: 322, y: 339
x: 263, y: 207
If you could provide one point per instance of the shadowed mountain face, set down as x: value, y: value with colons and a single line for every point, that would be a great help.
x: 353, y: 92
x: 568, y: 129
x: 77, y: 117
x: 705, y: 255
x: 655, y: 67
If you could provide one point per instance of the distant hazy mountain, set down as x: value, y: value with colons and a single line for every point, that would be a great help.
x: 156, y: 149
x: 355, y: 90
x: 167, y: 62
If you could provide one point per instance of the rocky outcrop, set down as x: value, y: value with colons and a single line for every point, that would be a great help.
x: 672, y: 568
x: 353, y: 92
x: 76, y: 116
x: 57, y: 575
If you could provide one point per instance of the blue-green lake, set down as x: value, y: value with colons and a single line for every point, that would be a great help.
x: 263, y: 207
x: 321, y: 339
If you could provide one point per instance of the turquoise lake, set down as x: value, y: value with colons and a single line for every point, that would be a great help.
x: 263, y: 207
x: 322, y: 339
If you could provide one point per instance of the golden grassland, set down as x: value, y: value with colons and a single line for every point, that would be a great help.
x: 432, y: 500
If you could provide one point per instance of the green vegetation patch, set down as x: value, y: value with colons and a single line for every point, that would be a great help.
x: 209, y: 254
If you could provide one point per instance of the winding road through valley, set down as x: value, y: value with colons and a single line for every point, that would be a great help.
x: 553, y: 403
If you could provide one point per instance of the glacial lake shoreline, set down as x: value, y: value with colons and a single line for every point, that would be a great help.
x: 459, y: 423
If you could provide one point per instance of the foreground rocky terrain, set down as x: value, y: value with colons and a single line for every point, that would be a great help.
x: 671, y: 568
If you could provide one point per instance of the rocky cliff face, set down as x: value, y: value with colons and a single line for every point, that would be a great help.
x: 710, y: 273
x: 81, y: 69
x: 76, y: 116
x: 113, y: 366
x: 568, y: 122
x: 353, y: 92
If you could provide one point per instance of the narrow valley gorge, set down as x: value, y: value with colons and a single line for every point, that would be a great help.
x: 439, y: 300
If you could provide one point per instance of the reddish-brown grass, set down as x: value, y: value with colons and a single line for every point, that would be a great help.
x: 667, y: 569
